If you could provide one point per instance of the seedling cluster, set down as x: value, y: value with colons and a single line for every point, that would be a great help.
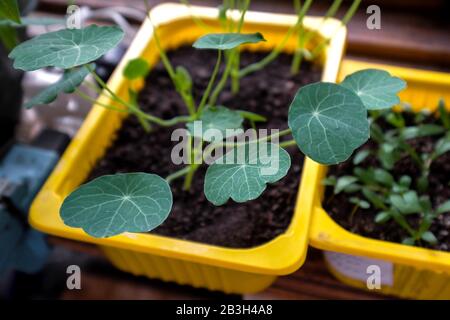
x: 327, y: 121
x: 397, y: 198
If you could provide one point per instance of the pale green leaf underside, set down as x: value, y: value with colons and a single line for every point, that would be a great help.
x: 67, y: 84
x: 246, y: 179
x: 376, y: 88
x: 218, y: 118
x: 65, y: 48
x: 226, y: 41
x: 113, y: 204
x: 328, y: 122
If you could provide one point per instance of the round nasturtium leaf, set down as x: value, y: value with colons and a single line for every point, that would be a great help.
x: 376, y: 88
x: 226, y: 41
x: 113, y: 204
x: 67, y: 84
x: 243, y: 173
x: 136, y: 68
x: 66, y: 48
x: 218, y: 118
x: 328, y: 122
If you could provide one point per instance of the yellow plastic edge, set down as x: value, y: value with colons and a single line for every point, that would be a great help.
x: 282, y: 255
x: 424, y: 90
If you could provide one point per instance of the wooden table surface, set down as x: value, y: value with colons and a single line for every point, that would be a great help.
x: 415, y: 34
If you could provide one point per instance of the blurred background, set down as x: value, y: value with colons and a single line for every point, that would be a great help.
x: 414, y: 33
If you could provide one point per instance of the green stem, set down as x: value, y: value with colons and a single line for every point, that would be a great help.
x: 135, y: 110
x: 193, y: 167
x: 84, y: 96
x: 177, y: 174
x: 187, y: 98
x: 236, y: 63
x: 288, y: 143
x: 199, y: 22
x: 210, y: 84
x: 348, y: 15
x: 296, y: 61
x: 223, y: 80
x: 298, y: 54
x: 210, y: 148
x: 330, y: 13
x: 275, y: 52
x: 235, y: 73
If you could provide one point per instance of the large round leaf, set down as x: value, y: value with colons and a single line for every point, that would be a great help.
x: 376, y: 88
x: 65, y: 48
x: 328, y: 122
x: 112, y: 204
x: 242, y: 174
x: 226, y: 41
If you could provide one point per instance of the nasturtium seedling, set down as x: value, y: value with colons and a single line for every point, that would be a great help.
x: 226, y: 41
x: 218, y: 118
x: 67, y: 84
x: 246, y: 178
x: 113, y: 204
x: 376, y: 88
x: 328, y: 122
x: 136, y: 68
x: 66, y: 48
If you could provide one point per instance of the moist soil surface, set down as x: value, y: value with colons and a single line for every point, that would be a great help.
x: 362, y: 222
x: 268, y: 92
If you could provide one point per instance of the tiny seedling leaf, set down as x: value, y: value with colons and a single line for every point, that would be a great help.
x: 443, y: 208
x: 376, y: 88
x: 343, y: 182
x: 429, y: 237
x: 408, y: 241
x: 67, y: 84
x: 442, y: 146
x: 226, y: 41
x: 383, y: 177
x: 374, y: 198
x: 360, y: 203
x: 423, y: 130
x: 242, y: 173
x: 407, y: 203
x: 136, y: 68
x: 113, y: 204
x: 216, y: 118
x: 361, y: 156
x: 382, y: 217
x: 328, y: 122
x: 65, y: 48
x: 444, y: 115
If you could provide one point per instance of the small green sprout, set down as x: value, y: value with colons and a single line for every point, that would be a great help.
x: 396, y: 199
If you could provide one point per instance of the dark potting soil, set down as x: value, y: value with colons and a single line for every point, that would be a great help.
x: 362, y: 222
x: 268, y: 92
